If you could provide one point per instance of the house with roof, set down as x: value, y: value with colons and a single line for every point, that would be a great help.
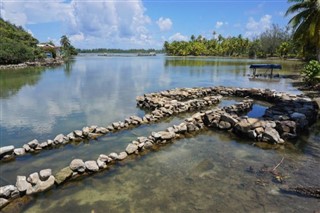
x: 50, y: 50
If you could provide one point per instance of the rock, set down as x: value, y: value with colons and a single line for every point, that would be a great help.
x: 101, y: 130
x: 224, y: 125
x: 8, y: 191
x: 131, y: 148
x: 85, y: 130
x: 166, y: 135
x: 6, y: 150
x: 182, y: 127
x: 33, y: 144
x: 78, y: 133
x: 45, y: 174
x: 252, y: 134
x: 101, y: 164
x: 155, y: 135
x: 148, y: 145
x: 42, y: 185
x: 228, y: 118
x: 113, y: 156
x: 59, y: 138
x: 71, y: 136
x: 298, y: 116
x: 77, y: 165
x: 22, y: 184
x: 91, y: 166
x: 63, y: 175
x: 243, y: 126
x: 122, y: 155
x: 3, y: 202
x: 33, y: 178
x: 271, y: 135
x: 105, y: 158
x: 26, y: 147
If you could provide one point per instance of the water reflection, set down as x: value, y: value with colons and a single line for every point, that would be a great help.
x: 11, y: 81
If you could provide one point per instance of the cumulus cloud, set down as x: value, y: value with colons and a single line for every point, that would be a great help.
x: 178, y: 37
x: 219, y: 24
x: 255, y: 28
x: 164, y: 24
x: 110, y: 21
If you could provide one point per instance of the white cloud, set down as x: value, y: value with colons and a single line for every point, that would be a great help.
x: 164, y: 24
x: 219, y: 24
x: 255, y: 28
x: 97, y: 23
x: 178, y: 37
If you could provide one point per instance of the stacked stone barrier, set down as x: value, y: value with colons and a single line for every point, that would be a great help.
x: 289, y: 115
x: 44, y: 180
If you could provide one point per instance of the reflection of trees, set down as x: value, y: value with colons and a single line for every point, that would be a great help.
x: 189, y: 61
x: 68, y: 67
x: 292, y: 67
x: 11, y: 81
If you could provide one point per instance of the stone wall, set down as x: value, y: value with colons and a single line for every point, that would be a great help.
x: 289, y: 116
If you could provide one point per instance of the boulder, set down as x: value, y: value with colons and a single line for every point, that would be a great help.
x: 164, y: 135
x: 26, y: 147
x: 59, y: 139
x: 91, y: 166
x: 228, y: 118
x: 224, y: 125
x: 113, y: 156
x: 131, y: 148
x: 105, y: 158
x: 22, y: 184
x: 42, y: 185
x: 33, y: 144
x: 6, y: 150
x: 78, y: 133
x: 271, y: 135
x: 77, y: 165
x: 45, y: 174
x: 63, y: 175
x: 9, y: 191
x: 101, y: 164
x: 33, y: 178
x: 122, y: 155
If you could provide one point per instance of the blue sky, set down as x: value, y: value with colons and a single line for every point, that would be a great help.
x: 141, y: 23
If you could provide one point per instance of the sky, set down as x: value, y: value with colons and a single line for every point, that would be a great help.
x: 127, y: 24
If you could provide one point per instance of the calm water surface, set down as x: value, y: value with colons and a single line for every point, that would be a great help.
x: 205, y: 173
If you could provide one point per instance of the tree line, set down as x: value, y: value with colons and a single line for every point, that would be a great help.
x: 105, y: 50
x: 299, y: 39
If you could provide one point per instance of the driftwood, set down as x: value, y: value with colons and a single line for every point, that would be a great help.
x: 303, y: 191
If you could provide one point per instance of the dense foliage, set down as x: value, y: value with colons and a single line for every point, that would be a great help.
x: 16, y: 44
x: 306, y: 24
x: 105, y: 50
x: 275, y: 41
x: 311, y: 72
x: 67, y: 49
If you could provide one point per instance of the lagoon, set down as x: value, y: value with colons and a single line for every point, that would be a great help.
x: 208, y: 172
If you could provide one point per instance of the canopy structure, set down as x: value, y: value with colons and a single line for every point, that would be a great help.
x: 270, y: 67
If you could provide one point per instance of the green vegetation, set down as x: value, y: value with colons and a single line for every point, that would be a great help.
x: 311, y: 72
x: 273, y: 42
x: 105, y: 50
x: 67, y: 49
x: 306, y: 24
x: 17, y: 45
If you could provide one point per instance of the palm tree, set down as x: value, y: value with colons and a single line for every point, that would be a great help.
x: 65, y: 44
x: 306, y: 21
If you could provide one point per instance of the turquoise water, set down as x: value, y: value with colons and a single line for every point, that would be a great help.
x: 206, y: 173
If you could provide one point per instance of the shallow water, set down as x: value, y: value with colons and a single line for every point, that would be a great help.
x: 208, y: 172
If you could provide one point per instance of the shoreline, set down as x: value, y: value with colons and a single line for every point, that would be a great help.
x: 44, y: 63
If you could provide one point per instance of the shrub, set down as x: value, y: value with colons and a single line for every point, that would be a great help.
x: 311, y: 72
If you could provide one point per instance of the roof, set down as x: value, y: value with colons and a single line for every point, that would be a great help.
x: 266, y: 66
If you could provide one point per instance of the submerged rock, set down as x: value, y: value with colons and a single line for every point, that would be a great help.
x: 63, y: 175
